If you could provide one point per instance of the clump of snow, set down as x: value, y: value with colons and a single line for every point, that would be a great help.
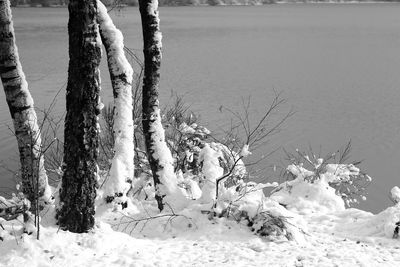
x: 100, y: 106
x: 189, y: 185
x: 347, y: 180
x: 395, y: 194
x: 152, y: 8
x: 266, y: 216
x: 218, y: 160
x: 245, y: 151
x: 299, y: 171
x: 158, y: 39
x: 193, y: 189
x: 211, y: 170
x: 186, y: 129
x: 305, y: 197
x: 193, y: 129
x: 340, y: 172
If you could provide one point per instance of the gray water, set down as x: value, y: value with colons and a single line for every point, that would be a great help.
x: 337, y: 66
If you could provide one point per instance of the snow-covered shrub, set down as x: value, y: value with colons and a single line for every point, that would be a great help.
x: 191, y: 139
x: 273, y: 227
x: 184, y: 136
x: 222, y: 168
x: 188, y: 142
x: 305, y: 197
x: 199, y: 161
x: 395, y: 194
x: 222, y: 161
x: 13, y: 207
x: 246, y: 203
x: 17, y: 208
x: 202, y: 162
x: 348, y: 180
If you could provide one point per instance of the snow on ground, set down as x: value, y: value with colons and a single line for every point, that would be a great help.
x: 321, y: 230
x: 341, y: 238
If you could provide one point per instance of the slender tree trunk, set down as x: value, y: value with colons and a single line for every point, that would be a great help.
x: 81, y: 134
x: 20, y: 103
x: 121, y: 74
x: 158, y: 153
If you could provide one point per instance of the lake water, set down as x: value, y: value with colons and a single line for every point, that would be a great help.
x: 337, y: 66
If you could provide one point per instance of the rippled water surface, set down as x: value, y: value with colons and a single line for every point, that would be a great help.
x: 337, y: 65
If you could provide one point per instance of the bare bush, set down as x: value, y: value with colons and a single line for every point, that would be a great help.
x: 344, y: 176
x: 243, y: 137
x: 184, y: 136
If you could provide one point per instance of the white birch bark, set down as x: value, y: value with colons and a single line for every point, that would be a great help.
x: 121, y: 73
x: 20, y: 103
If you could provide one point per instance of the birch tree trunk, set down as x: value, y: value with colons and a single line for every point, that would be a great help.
x: 81, y: 134
x: 20, y: 103
x: 121, y: 74
x: 158, y: 153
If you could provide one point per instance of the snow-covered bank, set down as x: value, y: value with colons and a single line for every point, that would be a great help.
x: 222, y: 219
x: 140, y: 236
x: 214, y: 243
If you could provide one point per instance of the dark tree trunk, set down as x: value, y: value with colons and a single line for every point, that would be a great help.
x: 20, y: 103
x: 158, y: 154
x: 79, y: 181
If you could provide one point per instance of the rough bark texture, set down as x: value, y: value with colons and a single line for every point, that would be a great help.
x: 20, y: 103
x: 121, y: 75
x: 151, y: 116
x: 79, y: 181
